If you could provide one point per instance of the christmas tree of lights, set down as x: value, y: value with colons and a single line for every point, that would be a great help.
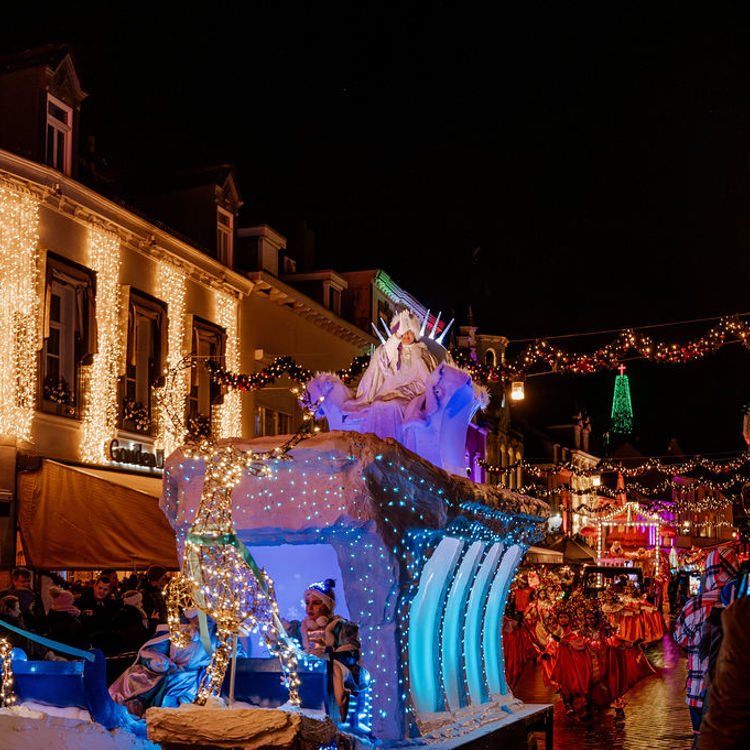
x: 622, y: 408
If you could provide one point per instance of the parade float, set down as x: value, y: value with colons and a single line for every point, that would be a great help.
x: 423, y: 556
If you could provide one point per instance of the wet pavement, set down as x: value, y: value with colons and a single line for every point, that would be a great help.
x: 656, y: 716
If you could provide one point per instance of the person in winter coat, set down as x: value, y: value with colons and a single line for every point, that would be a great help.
x: 63, y: 620
x: 329, y: 636
x: 726, y: 725
x: 721, y: 568
x: 130, y: 624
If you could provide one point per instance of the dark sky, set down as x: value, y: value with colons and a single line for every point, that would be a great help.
x: 598, y: 155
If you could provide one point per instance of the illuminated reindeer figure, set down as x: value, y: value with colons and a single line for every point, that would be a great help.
x: 219, y: 576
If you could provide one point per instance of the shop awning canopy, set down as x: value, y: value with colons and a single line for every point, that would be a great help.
x: 74, y: 517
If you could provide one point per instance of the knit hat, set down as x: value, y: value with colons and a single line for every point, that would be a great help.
x: 155, y: 572
x: 62, y: 601
x: 133, y: 598
x: 324, y: 591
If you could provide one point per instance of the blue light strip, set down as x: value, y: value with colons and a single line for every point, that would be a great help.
x: 424, y: 626
x: 493, y: 622
x: 473, y: 629
x: 455, y: 609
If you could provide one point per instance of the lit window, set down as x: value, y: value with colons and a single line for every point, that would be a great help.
x: 146, y: 345
x: 209, y: 342
x: 269, y: 422
x: 224, y: 235
x: 69, y: 333
x: 59, y: 139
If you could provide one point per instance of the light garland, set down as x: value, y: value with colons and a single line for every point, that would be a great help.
x: 7, y: 696
x: 229, y: 418
x: 100, y: 412
x: 172, y: 288
x: 19, y: 309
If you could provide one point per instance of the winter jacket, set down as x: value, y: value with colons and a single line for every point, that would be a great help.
x: 726, y: 725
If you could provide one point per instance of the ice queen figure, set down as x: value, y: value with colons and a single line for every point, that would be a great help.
x: 393, y: 383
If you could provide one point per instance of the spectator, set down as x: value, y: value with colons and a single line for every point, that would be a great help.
x: 131, y: 624
x: 97, y: 613
x: 726, y: 725
x: 32, y: 609
x: 63, y: 620
x: 10, y: 612
x: 153, y: 596
x: 721, y: 568
x: 113, y: 577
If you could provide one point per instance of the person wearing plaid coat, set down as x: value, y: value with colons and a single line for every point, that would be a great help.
x: 721, y: 568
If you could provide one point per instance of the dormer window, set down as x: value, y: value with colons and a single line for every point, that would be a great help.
x: 59, y: 135
x: 224, y: 235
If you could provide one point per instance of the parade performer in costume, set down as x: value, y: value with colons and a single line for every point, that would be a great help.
x: 519, y: 645
x: 721, y: 568
x: 164, y: 674
x: 566, y: 663
x: 329, y: 636
x: 394, y: 381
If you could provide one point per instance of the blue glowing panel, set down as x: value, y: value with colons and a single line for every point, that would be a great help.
x: 453, y: 621
x: 493, y: 622
x: 473, y: 628
x: 424, y: 626
x: 293, y: 567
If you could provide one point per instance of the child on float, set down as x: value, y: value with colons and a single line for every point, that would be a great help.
x: 329, y: 636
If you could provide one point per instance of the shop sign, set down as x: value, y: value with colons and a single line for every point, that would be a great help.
x: 136, y: 454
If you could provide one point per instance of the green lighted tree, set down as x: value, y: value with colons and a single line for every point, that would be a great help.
x: 622, y: 408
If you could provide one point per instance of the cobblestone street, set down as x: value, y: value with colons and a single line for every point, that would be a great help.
x: 656, y: 714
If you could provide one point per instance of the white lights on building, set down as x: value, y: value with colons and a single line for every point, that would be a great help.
x: 101, y: 407
x: 19, y: 309
x: 229, y: 418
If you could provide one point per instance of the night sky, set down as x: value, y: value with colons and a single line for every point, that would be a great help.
x: 559, y: 167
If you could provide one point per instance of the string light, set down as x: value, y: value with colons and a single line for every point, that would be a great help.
x: 19, y: 309
x: 100, y: 413
x: 7, y: 696
x: 230, y: 412
x: 172, y: 288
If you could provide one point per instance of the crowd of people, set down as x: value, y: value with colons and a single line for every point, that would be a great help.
x: 115, y: 616
x: 589, y: 647
x: 128, y: 619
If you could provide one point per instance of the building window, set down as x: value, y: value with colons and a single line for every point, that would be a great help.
x: 269, y: 422
x: 209, y: 343
x: 69, y: 333
x: 490, y: 358
x: 59, y: 140
x: 147, y: 324
x: 224, y: 235
x: 334, y: 300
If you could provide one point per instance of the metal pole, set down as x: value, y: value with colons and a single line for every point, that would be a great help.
x: 231, y: 673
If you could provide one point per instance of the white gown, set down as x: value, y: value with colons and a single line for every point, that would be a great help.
x: 394, y: 378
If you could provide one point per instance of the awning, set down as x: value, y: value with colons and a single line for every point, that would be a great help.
x: 542, y: 555
x: 80, y: 518
x: 574, y: 551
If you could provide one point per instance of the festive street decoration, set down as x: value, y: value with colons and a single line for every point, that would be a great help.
x: 7, y: 697
x: 649, y: 465
x: 629, y: 515
x: 20, y: 302
x: 101, y: 379
x: 172, y: 288
x: 622, y: 408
